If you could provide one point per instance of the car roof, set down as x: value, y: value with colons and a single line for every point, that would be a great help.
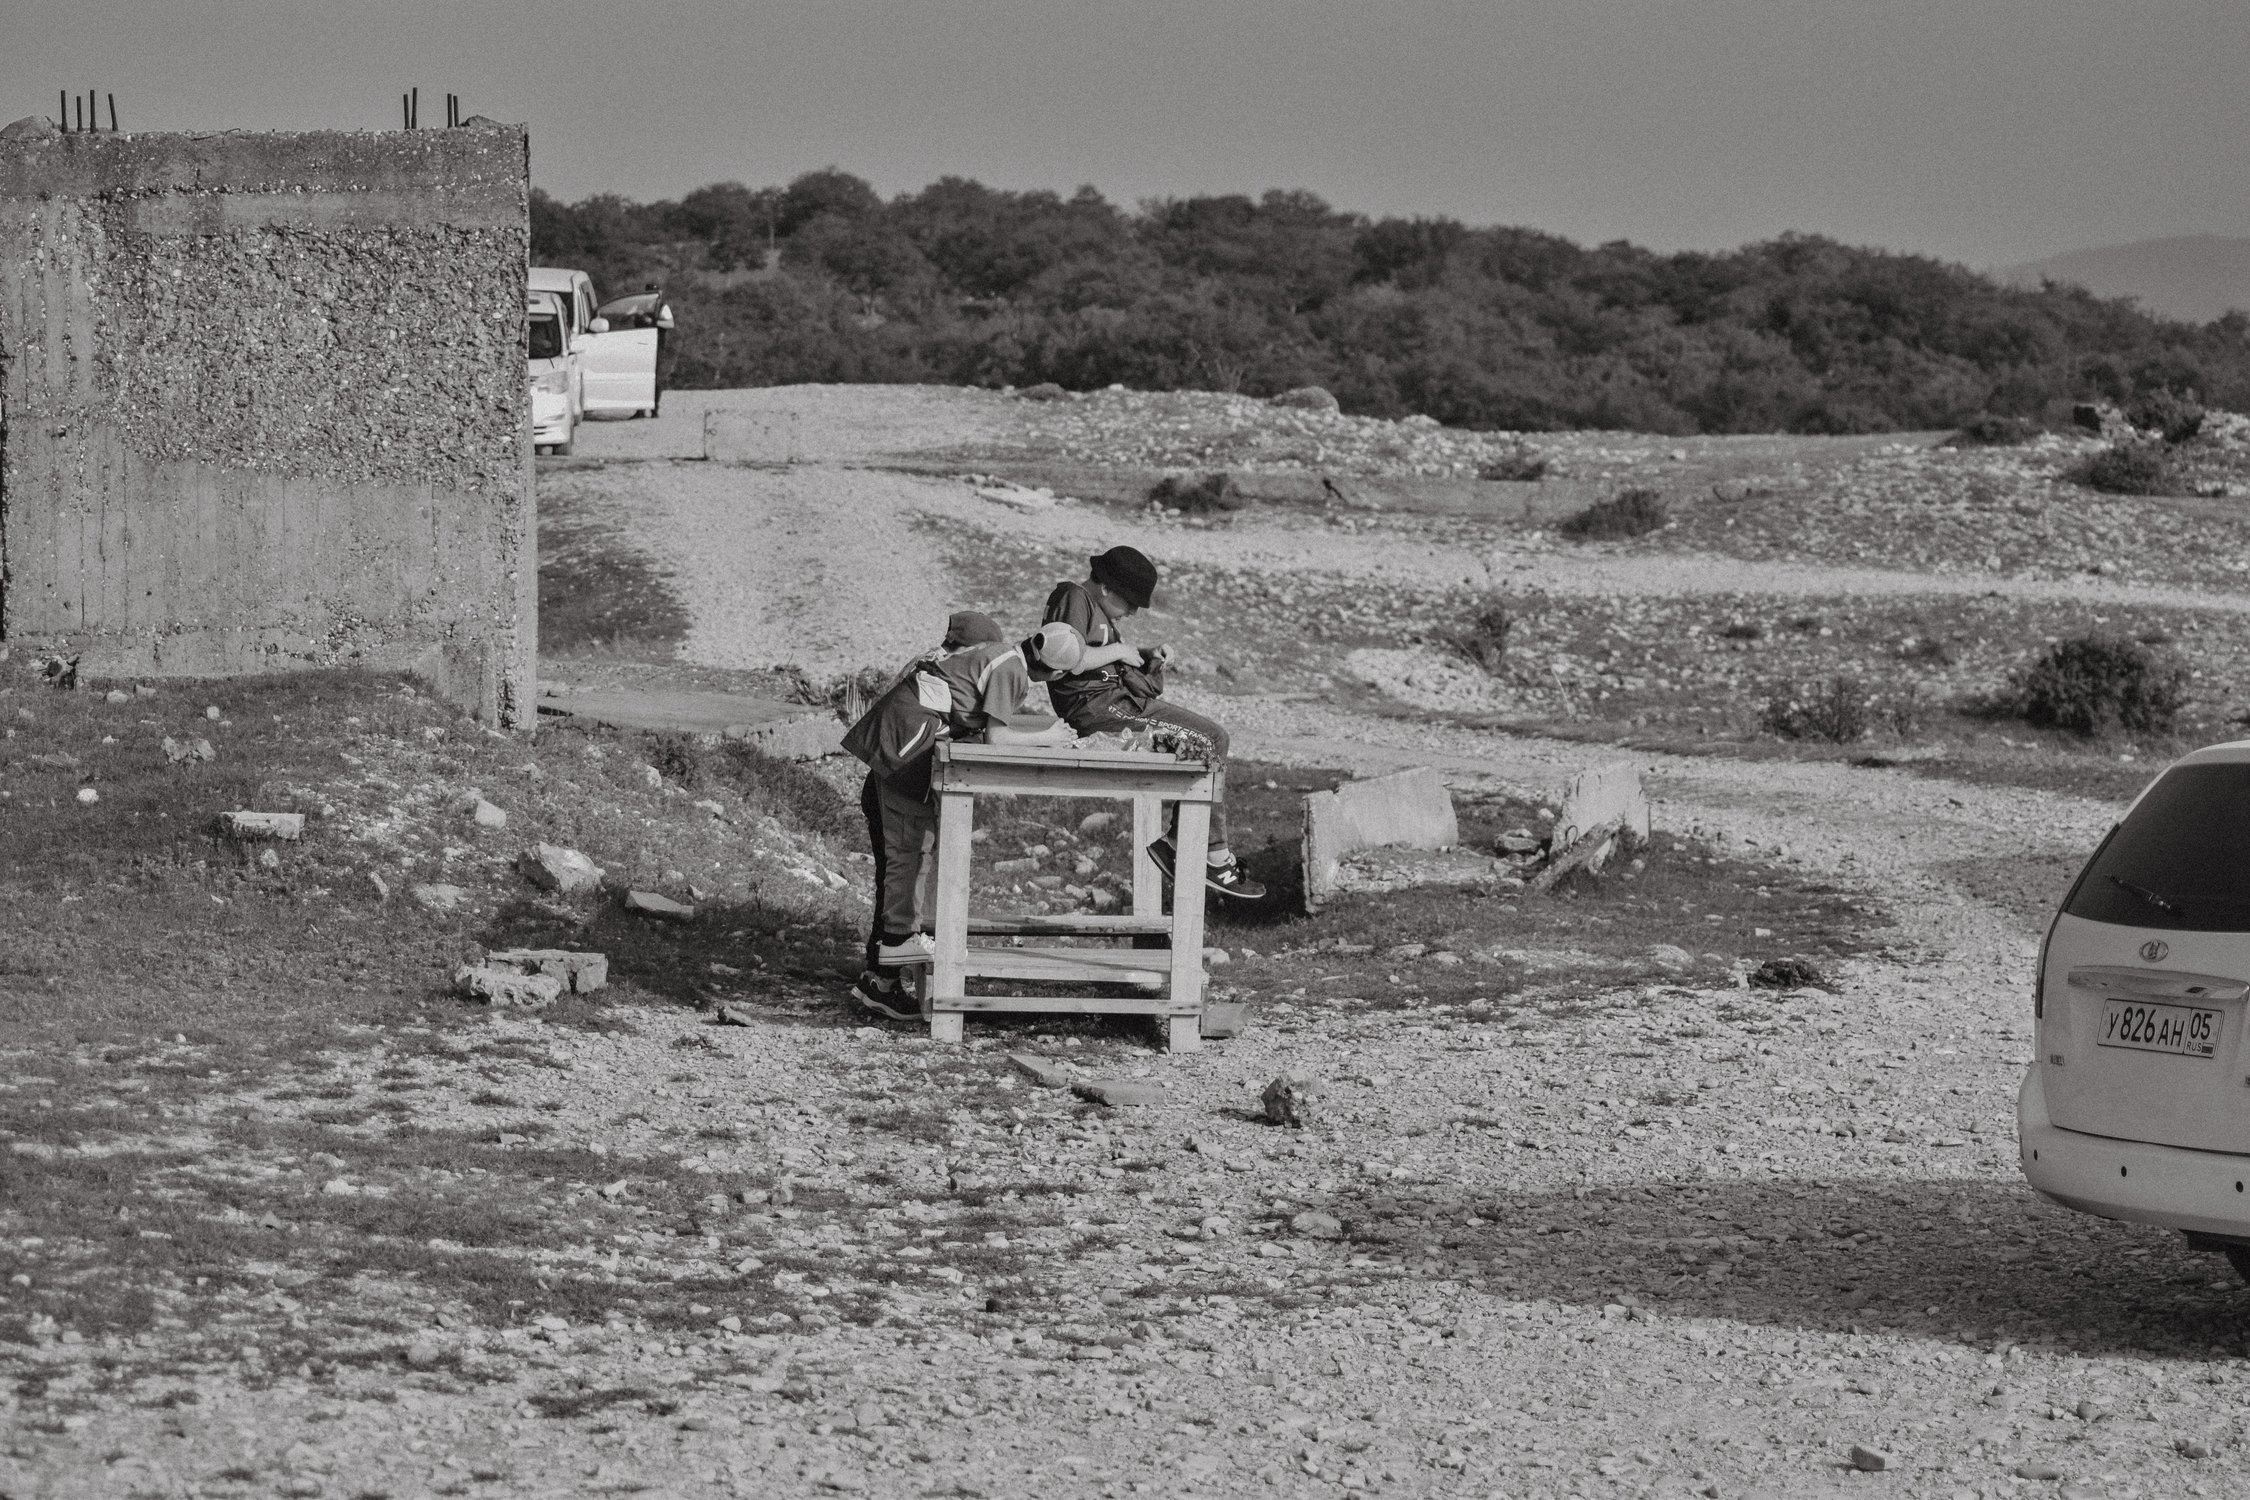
x: 2232, y: 750
x: 550, y: 303
x: 554, y: 279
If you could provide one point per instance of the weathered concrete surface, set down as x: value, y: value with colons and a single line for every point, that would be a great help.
x: 1604, y: 795
x: 265, y: 405
x: 791, y: 730
x: 1410, y: 808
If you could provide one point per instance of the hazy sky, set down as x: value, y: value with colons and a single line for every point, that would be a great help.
x: 1989, y: 131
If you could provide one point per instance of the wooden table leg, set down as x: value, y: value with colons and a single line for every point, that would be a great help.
x: 1184, y: 1029
x: 1148, y: 881
x: 956, y: 822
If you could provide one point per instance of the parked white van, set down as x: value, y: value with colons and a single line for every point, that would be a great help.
x: 612, y: 371
x: 2137, y: 1105
x: 548, y: 369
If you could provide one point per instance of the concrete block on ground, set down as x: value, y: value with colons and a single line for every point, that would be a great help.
x: 554, y: 868
x: 581, y: 973
x: 263, y: 825
x: 663, y: 908
x: 504, y: 987
x: 1602, y: 797
x: 1045, y: 1072
x: 1120, y: 1093
x: 1223, y: 1019
x: 1411, y: 809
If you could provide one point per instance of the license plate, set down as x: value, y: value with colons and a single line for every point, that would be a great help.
x: 2184, y: 1030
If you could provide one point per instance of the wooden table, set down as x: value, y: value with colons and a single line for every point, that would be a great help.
x: 1173, y: 977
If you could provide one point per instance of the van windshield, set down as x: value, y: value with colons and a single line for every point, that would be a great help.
x: 546, y: 338
x: 2180, y: 860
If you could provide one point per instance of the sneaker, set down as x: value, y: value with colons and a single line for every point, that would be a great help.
x: 885, y: 996
x: 1162, y: 854
x: 914, y: 948
x: 1228, y: 880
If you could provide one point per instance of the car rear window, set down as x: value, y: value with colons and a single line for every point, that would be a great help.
x: 546, y: 341
x: 2181, y: 858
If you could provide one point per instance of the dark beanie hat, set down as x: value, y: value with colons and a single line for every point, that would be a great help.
x: 1128, y: 572
x: 968, y: 627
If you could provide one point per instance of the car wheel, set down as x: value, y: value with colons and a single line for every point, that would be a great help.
x: 2238, y: 1256
x: 562, y: 449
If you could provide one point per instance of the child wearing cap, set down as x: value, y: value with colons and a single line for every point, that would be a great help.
x: 1121, y: 687
x: 971, y: 690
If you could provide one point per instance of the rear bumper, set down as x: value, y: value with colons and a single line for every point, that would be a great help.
x: 2200, y: 1192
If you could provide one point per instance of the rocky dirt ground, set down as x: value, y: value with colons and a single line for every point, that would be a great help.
x: 1679, y: 1238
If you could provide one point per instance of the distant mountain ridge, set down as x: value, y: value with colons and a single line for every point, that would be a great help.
x: 2195, y: 277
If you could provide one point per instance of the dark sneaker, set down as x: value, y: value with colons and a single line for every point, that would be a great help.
x: 1228, y: 880
x: 1161, y: 852
x: 885, y: 996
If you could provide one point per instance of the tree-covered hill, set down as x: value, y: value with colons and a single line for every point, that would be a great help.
x: 1497, y: 328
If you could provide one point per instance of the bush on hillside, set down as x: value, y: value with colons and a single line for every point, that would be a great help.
x: 2170, y: 415
x: 1518, y: 463
x: 2127, y: 469
x: 1991, y: 430
x: 1197, y: 497
x: 1484, y: 640
x: 2092, y: 684
x: 1841, y: 710
x: 1629, y: 514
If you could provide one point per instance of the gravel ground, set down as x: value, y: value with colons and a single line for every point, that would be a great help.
x: 1692, y: 1242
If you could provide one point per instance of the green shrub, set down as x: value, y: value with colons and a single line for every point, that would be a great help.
x: 1837, y: 710
x: 2173, y: 416
x: 1518, y: 463
x: 2091, y: 684
x: 1196, y: 497
x: 1629, y: 514
x: 1991, y: 430
x: 1484, y: 640
x: 2127, y: 469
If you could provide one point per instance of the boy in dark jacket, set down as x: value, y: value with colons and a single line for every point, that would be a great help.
x: 1121, y: 687
x: 972, y: 688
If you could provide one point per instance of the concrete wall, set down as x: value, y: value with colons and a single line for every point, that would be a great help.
x: 262, y: 405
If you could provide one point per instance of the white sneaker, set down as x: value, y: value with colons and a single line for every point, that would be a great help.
x: 917, y: 948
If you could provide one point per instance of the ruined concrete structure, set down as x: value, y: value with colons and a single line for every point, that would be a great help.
x: 263, y: 405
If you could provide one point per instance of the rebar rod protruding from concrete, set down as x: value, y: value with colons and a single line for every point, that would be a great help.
x: 112, y: 114
x: 414, y: 110
x: 62, y: 103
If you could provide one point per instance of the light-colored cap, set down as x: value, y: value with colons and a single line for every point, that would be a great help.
x: 1059, y: 646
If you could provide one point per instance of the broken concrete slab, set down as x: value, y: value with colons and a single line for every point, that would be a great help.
x: 1045, y: 1072
x: 1605, y: 796
x: 1410, y: 808
x: 581, y: 973
x: 505, y: 988
x: 792, y: 731
x: 263, y: 825
x: 663, y: 908
x: 1120, y: 1093
x: 551, y: 867
x: 1223, y: 1019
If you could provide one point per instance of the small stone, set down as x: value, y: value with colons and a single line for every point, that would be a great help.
x: 1223, y: 1019
x: 662, y: 908
x: 488, y: 816
x: 1671, y: 957
x: 88, y: 796
x: 1288, y: 1100
x: 143, y: 690
x: 2092, y: 1411
x: 302, y: 1487
x: 422, y: 1354
x: 1870, y: 1460
x: 1096, y: 822
x: 117, y: 695
x: 1041, y: 1071
x: 212, y: 713
x: 554, y: 868
x: 179, y: 751
x: 2037, y: 1468
x: 1215, y: 957
x: 267, y: 859
x: 734, y: 1015
x: 1119, y: 1093
x: 1306, y: 398
x: 1315, y: 1225
x: 2193, y: 1447
x: 439, y: 897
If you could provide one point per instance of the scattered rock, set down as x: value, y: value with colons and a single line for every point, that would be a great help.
x: 267, y: 859
x: 734, y: 1015
x: 1670, y: 957
x: 554, y: 868
x: 488, y: 816
x: 2037, y: 1468
x: 1223, y: 1019
x: 506, y: 988
x: 581, y: 973
x: 263, y: 825
x: 1315, y: 1225
x: 1119, y: 1093
x: 1307, y: 398
x: 439, y: 897
x: 1288, y: 1100
x: 423, y: 1355
x: 2188, y: 1447
x: 662, y: 908
x: 88, y: 796
x: 178, y: 751
x: 1045, y: 390
x: 1040, y: 1070
x: 1214, y: 957
x: 1786, y: 974
x: 1870, y: 1460
x: 1096, y: 822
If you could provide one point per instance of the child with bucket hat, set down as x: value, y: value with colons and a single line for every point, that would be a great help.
x: 1121, y: 687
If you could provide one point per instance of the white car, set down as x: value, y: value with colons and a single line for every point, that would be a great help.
x: 612, y: 371
x: 2137, y: 1105
x: 549, y: 371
